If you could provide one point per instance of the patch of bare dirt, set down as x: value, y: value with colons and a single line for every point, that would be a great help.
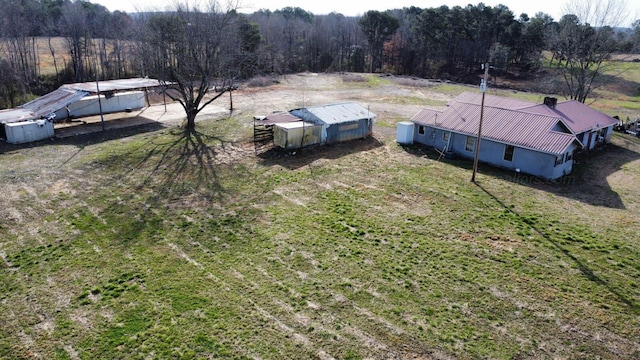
x: 626, y: 57
x: 288, y: 92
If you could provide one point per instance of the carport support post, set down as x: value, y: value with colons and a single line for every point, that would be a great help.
x: 231, y: 94
x: 483, y: 89
x: 99, y: 102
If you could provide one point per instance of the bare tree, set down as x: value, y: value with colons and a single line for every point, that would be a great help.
x: 598, y: 13
x: 75, y: 29
x: 11, y: 85
x: 583, y: 49
x: 18, y: 31
x: 193, y: 52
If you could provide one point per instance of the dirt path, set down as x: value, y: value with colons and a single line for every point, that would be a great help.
x: 398, y: 100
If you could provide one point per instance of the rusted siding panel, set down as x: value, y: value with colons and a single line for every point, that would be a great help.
x: 349, y: 130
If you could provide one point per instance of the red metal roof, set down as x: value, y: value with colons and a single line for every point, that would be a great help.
x: 279, y: 118
x: 576, y: 115
x: 492, y: 100
x: 527, y: 130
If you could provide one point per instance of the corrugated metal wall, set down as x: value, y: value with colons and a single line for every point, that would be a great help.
x: 349, y: 130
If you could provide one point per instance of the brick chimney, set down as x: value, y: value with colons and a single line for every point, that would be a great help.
x: 550, y: 102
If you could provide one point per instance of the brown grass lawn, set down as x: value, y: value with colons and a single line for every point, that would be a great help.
x: 146, y: 243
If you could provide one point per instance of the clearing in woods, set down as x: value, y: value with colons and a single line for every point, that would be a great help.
x: 148, y: 243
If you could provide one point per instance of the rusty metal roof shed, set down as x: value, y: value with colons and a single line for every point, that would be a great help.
x: 278, y: 118
x: 68, y: 94
x: 114, y: 85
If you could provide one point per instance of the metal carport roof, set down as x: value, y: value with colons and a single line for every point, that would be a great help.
x: 42, y: 106
x: 68, y: 94
x: 114, y: 85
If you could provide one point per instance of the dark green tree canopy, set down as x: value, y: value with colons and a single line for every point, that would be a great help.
x: 378, y: 27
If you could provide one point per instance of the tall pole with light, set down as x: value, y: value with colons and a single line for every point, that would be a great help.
x: 483, y: 89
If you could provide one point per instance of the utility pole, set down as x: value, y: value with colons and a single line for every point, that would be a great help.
x: 98, y: 91
x: 483, y: 89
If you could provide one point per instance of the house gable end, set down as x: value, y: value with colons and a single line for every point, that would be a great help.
x: 562, y: 127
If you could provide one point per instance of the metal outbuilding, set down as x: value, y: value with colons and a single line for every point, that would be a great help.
x: 340, y: 122
x: 95, y: 104
x: 43, y: 107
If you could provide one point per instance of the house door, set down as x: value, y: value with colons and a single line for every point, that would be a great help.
x: 589, y: 147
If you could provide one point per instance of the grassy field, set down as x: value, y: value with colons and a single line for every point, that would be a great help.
x: 150, y: 244
x: 158, y: 245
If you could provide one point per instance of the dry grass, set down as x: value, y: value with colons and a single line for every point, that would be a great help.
x: 159, y: 245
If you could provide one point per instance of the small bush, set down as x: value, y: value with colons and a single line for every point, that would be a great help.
x: 262, y: 81
x: 353, y: 78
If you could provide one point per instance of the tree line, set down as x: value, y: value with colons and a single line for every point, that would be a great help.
x: 194, y: 47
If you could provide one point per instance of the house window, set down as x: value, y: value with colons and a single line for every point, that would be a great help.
x: 421, y: 130
x: 508, y: 152
x: 445, y: 136
x: 570, y: 156
x: 559, y: 159
x: 471, y: 141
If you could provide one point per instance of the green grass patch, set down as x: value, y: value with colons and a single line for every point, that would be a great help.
x: 162, y: 245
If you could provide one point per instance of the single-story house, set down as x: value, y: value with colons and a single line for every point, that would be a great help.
x: 535, y: 139
x: 340, y: 122
x: 591, y: 127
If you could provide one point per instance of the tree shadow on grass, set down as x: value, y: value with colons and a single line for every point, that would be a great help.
x: 590, y: 181
x: 297, y: 158
x: 587, y: 183
x: 185, y: 165
x: 582, y: 266
x: 177, y: 171
x: 83, y: 140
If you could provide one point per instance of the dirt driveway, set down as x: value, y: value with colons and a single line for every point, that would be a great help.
x: 393, y: 99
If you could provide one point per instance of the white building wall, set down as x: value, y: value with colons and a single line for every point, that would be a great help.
x: 28, y: 131
x: 89, y: 105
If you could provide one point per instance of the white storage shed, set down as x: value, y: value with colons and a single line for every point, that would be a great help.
x: 295, y: 135
x: 28, y: 131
